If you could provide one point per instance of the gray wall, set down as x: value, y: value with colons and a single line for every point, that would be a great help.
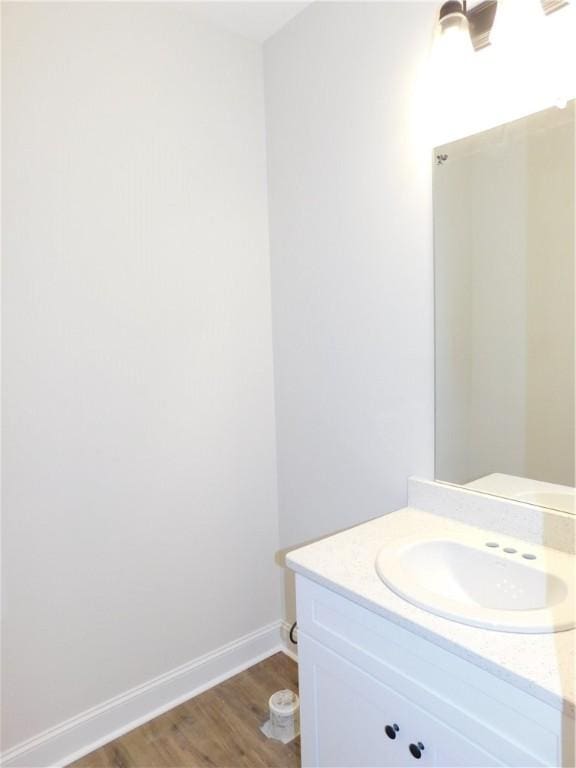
x: 140, y: 513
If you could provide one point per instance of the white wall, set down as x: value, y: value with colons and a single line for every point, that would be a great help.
x: 140, y: 498
x: 351, y: 250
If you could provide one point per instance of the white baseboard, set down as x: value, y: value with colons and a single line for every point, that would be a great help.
x: 95, y: 727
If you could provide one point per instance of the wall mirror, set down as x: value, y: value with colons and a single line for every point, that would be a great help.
x: 504, y: 241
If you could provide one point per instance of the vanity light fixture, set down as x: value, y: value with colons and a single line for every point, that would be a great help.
x: 504, y: 18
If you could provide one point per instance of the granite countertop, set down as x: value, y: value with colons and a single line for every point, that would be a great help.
x: 544, y: 665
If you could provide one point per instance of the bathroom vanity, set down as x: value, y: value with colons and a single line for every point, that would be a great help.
x: 384, y: 682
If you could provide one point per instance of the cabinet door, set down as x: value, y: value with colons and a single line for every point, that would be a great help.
x: 345, y: 713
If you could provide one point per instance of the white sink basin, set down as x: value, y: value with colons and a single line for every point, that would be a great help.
x: 484, y: 580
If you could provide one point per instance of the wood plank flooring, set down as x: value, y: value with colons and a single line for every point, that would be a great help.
x: 217, y: 729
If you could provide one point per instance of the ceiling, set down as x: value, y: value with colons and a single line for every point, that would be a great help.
x: 255, y: 20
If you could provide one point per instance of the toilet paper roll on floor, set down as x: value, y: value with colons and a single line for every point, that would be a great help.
x: 284, y: 722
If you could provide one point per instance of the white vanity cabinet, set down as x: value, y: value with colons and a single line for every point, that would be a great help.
x: 375, y: 694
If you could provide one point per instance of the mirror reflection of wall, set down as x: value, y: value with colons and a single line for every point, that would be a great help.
x: 504, y: 215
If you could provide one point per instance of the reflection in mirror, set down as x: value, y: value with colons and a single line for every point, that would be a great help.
x: 504, y: 206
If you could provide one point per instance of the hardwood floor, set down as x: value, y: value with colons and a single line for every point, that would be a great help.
x: 219, y: 728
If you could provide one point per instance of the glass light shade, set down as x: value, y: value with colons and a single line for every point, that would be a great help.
x: 453, y: 24
x: 451, y: 86
x: 453, y: 48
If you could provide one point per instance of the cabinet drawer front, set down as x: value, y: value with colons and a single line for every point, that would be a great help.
x: 521, y: 730
x: 346, y: 712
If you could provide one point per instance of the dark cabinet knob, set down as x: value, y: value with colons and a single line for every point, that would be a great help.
x: 391, y: 731
x: 416, y: 750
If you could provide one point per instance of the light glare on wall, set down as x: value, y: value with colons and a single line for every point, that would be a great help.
x: 518, y: 25
x: 561, y: 53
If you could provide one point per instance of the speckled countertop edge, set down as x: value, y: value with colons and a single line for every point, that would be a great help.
x: 543, y: 665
